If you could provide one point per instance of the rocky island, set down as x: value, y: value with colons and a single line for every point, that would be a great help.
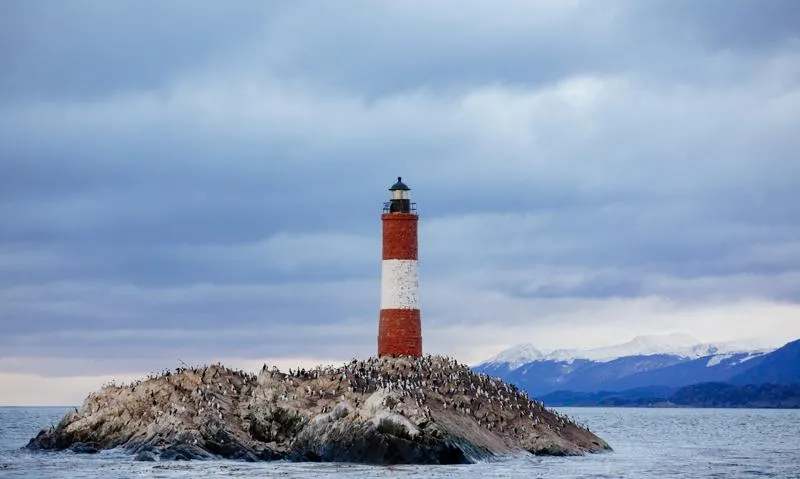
x: 387, y: 410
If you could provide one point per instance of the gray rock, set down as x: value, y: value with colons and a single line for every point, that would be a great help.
x: 183, y: 452
x: 380, y: 411
x: 145, y: 456
x: 84, y: 448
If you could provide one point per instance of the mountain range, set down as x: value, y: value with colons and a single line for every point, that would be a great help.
x: 646, y: 363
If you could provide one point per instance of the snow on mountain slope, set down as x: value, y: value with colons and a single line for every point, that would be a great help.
x: 714, y: 360
x: 676, y: 344
x: 745, y: 346
x: 720, y: 358
x: 517, y: 356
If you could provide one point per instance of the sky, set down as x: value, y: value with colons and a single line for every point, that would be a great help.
x: 196, y: 181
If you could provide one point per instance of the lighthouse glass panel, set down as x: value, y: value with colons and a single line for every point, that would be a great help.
x: 400, y: 194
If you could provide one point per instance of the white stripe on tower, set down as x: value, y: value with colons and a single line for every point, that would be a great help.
x: 400, y: 284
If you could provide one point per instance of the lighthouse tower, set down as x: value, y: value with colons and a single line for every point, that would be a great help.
x: 399, y: 329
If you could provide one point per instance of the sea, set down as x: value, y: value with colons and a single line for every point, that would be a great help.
x: 648, y: 443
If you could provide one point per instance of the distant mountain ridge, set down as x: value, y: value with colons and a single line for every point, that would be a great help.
x: 676, y: 344
x: 670, y: 361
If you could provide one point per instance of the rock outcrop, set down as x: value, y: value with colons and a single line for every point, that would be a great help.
x: 429, y: 410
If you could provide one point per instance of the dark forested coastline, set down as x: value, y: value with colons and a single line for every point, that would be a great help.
x: 709, y: 394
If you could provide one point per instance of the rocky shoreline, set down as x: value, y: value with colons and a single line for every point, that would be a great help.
x: 429, y: 410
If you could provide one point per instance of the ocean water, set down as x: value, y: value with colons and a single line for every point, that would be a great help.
x: 648, y: 443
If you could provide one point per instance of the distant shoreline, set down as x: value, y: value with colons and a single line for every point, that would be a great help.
x: 718, y: 395
x: 672, y: 407
x: 39, y: 406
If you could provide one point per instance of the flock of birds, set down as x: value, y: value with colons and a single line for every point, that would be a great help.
x: 210, y: 389
x: 428, y: 386
x: 429, y: 380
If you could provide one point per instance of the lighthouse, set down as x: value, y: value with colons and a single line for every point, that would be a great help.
x: 399, y: 328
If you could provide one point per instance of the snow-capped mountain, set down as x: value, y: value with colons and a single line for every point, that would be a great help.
x: 677, y: 344
x: 517, y: 356
x: 672, y: 360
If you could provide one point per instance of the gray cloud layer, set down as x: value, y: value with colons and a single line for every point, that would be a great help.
x: 204, y: 181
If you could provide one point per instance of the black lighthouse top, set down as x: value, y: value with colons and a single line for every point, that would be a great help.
x: 399, y: 186
x: 400, y: 202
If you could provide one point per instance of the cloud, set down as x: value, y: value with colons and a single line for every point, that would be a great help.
x: 205, y: 183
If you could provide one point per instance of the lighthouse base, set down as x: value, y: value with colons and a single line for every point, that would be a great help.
x: 400, y: 333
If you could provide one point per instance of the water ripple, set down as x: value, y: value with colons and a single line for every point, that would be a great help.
x: 648, y: 443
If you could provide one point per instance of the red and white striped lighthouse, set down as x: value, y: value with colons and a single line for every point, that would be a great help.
x: 399, y: 329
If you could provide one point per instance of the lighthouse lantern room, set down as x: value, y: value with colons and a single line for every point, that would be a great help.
x: 400, y: 201
x: 399, y: 328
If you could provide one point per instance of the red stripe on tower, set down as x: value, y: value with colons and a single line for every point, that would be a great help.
x: 399, y: 329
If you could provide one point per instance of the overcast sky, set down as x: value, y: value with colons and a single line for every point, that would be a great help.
x: 202, y: 181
